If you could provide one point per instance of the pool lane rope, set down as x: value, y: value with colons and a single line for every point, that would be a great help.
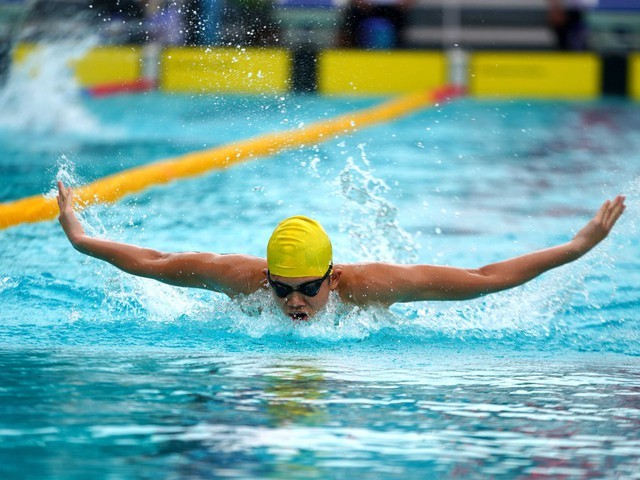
x: 113, y: 187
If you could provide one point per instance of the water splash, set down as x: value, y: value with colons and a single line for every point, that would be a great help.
x: 42, y: 96
x: 632, y: 214
x: 124, y: 294
x: 370, y: 220
x: 66, y: 173
x: 258, y: 316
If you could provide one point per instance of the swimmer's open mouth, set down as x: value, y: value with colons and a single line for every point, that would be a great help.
x: 299, y: 316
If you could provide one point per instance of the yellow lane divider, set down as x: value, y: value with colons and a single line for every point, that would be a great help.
x: 113, y: 187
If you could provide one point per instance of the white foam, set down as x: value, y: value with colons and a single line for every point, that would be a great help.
x: 42, y: 96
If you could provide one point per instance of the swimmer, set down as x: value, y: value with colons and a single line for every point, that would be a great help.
x: 300, y: 272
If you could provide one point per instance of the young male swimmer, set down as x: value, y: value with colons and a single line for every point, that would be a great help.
x: 299, y: 266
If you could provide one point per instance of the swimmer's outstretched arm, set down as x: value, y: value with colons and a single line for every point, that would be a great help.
x: 387, y: 284
x: 230, y: 274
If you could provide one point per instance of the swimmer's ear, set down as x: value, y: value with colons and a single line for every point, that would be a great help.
x: 265, y: 281
x: 334, y: 279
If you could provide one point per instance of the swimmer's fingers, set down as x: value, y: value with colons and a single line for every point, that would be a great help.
x: 64, y: 197
x: 616, y: 211
x: 599, y: 227
x: 610, y: 212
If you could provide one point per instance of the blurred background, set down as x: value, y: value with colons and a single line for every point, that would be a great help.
x: 545, y: 48
x: 608, y: 26
x: 549, y: 49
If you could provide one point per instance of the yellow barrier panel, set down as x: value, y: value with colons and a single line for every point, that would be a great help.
x: 535, y: 74
x: 634, y: 76
x: 114, y: 187
x: 107, y: 65
x: 349, y: 72
x: 21, y: 51
x: 250, y: 70
x: 100, y: 65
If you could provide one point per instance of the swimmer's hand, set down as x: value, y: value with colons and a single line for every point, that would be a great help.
x: 67, y: 218
x: 599, y: 227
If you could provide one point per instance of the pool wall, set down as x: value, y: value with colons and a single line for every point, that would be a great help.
x: 355, y: 72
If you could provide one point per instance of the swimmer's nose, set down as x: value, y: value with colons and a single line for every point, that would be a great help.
x: 295, y: 300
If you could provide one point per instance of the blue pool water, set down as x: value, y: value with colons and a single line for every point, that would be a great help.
x: 108, y: 376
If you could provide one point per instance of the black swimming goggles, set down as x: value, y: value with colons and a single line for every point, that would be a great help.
x: 308, y: 289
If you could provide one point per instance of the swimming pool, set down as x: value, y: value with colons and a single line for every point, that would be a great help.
x: 110, y: 376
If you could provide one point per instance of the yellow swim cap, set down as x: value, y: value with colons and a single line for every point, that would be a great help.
x: 299, y: 247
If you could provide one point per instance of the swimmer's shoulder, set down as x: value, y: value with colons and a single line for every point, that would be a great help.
x: 370, y: 283
x: 248, y: 267
x: 355, y: 279
x: 361, y: 271
x: 235, y: 273
x: 230, y: 261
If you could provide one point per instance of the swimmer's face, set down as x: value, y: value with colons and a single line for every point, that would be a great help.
x: 296, y: 305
